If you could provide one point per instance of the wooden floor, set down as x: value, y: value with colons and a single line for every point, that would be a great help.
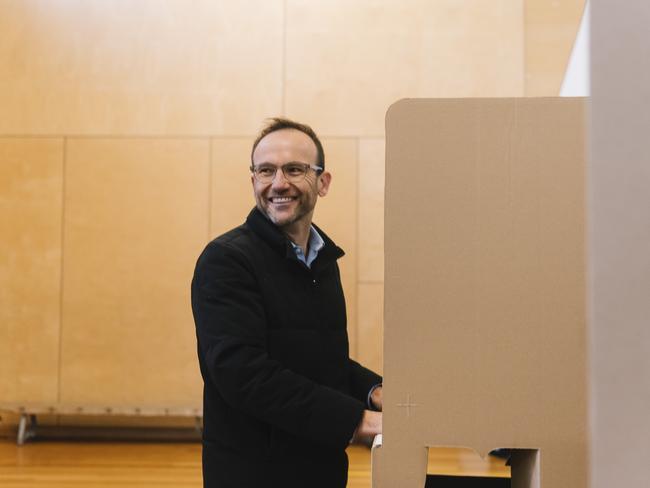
x: 152, y: 465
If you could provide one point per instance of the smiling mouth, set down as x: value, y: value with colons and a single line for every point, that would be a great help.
x: 281, y: 199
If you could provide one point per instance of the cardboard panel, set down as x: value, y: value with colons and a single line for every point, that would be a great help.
x: 336, y: 214
x: 550, y: 29
x: 383, y: 51
x: 169, y: 67
x: 370, y: 323
x: 31, y: 191
x: 136, y: 219
x: 619, y: 239
x: 371, y: 210
x: 485, y: 314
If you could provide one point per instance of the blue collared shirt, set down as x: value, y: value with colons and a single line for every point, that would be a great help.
x: 315, y: 244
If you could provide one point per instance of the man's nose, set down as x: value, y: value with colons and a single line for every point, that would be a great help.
x: 279, y: 179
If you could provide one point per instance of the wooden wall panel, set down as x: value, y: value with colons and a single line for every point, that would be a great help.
x: 148, y: 67
x: 371, y: 252
x: 371, y: 209
x: 31, y: 189
x: 217, y: 69
x: 135, y: 221
x: 346, y: 62
x: 231, y: 197
x: 336, y: 214
x: 550, y: 28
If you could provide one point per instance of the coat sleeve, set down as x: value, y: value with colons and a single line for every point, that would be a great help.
x: 362, y: 380
x: 231, y: 331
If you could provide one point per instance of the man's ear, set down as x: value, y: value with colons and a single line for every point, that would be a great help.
x: 324, y: 183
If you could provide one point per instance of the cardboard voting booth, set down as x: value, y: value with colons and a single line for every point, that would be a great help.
x: 485, y: 340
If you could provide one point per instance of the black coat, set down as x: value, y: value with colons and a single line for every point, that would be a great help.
x: 281, y: 396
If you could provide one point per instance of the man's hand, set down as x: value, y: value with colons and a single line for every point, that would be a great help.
x: 376, y: 398
x: 369, y: 427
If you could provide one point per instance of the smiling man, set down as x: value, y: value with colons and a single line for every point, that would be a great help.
x: 281, y: 398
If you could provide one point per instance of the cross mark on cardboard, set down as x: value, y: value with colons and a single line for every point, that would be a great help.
x: 408, y: 405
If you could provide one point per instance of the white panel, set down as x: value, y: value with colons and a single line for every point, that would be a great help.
x: 619, y: 236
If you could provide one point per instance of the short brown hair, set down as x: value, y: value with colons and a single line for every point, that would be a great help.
x: 279, y: 123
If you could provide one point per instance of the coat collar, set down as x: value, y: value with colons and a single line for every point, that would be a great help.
x: 275, y: 238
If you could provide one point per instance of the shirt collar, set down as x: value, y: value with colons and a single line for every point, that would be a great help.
x: 263, y: 228
x: 316, y: 243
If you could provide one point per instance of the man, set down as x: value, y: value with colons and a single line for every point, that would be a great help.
x: 282, y: 399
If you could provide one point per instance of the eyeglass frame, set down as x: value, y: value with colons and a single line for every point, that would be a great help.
x: 317, y: 170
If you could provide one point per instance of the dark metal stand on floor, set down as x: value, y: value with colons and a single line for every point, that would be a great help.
x: 28, y: 428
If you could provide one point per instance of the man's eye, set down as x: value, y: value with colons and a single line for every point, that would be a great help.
x: 294, y: 170
x: 265, y: 171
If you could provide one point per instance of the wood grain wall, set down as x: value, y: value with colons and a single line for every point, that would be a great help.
x: 124, y: 143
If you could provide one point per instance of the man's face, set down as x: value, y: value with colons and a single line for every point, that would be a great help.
x: 288, y: 204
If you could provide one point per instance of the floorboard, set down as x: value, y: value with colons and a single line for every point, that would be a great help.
x: 41, y: 464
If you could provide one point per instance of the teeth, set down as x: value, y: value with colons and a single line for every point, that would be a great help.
x: 281, y: 199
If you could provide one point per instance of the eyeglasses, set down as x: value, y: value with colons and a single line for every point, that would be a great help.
x: 293, y: 172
